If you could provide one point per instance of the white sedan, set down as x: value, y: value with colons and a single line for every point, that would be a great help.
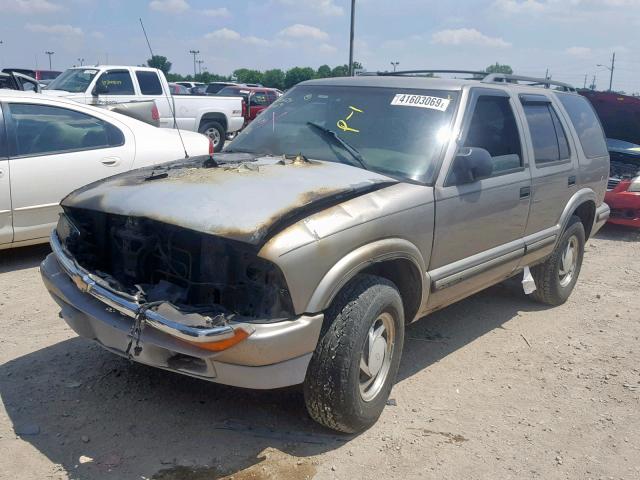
x: 50, y: 147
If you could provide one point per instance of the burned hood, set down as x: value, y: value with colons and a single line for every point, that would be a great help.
x: 247, y: 199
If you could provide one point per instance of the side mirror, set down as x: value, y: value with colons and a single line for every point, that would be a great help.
x: 99, y: 89
x: 470, y: 165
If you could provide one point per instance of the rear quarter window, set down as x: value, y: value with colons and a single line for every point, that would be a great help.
x: 149, y: 83
x: 586, y: 123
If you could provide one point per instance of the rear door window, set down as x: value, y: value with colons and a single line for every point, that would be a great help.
x: 45, y: 130
x: 493, y: 127
x: 149, y: 83
x: 586, y: 123
x: 117, y: 82
x: 549, y: 139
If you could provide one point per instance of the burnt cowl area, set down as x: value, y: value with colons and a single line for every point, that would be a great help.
x: 193, y: 271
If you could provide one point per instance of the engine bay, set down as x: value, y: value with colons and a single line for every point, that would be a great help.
x: 195, y: 272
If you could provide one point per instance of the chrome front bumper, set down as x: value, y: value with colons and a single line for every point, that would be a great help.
x: 275, y: 355
x: 130, y: 306
x: 602, y: 216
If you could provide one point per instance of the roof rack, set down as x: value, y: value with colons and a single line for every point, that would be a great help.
x: 475, y: 73
x: 484, y: 77
x: 534, y: 81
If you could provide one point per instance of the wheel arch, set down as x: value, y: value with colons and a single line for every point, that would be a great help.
x: 214, y: 117
x: 583, y: 205
x: 395, y: 259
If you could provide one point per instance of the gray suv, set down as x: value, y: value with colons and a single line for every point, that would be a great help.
x: 350, y: 208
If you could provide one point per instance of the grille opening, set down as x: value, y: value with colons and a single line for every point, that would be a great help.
x: 196, y: 272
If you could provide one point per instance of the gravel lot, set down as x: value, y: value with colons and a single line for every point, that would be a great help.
x: 494, y: 387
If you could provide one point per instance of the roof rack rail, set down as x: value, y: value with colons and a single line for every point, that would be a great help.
x: 483, y: 77
x: 546, y: 82
x: 475, y: 73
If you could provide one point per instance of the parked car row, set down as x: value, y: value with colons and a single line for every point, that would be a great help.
x: 105, y: 84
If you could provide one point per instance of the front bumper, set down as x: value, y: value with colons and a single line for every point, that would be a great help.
x: 601, y: 217
x: 625, y: 208
x: 275, y: 354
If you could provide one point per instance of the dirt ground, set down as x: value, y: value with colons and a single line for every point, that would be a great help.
x: 495, y: 387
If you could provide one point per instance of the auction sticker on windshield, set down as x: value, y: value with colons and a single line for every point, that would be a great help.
x: 421, y: 101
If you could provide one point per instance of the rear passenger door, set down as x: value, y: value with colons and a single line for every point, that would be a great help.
x: 479, y: 225
x: 554, y: 165
x: 6, y: 224
x: 53, y: 151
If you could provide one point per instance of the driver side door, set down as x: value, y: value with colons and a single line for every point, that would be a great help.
x: 480, y: 224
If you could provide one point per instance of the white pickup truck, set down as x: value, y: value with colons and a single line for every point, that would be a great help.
x: 106, y: 84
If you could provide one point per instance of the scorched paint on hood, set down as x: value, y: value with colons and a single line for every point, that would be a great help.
x: 240, y: 201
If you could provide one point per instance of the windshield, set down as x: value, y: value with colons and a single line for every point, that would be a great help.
x: 396, y: 131
x: 74, y: 80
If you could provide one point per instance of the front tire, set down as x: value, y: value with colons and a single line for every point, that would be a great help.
x: 355, y: 363
x: 216, y: 134
x: 556, y: 277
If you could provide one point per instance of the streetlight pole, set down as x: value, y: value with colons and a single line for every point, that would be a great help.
x: 395, y: 64
x: 50, y: 54
x: 81, y: 60
x: 194, y: 53
x: 200, y: 62
x: 353, y: 18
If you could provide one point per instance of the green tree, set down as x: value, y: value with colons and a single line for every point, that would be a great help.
x: 160, y: 62
x: 297, y: 75
x: 340, y: 71
x: 245, y: 75
x: 324, y: 71
x: 274, y: 78
x: 498, y: 68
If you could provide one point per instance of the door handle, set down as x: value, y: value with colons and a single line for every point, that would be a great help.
x: 1, y: 173
x: 110, y: 161
x: 572, y: 181
x: 525, y: 192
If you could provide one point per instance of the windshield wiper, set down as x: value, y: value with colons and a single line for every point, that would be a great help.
x: 333, y: 135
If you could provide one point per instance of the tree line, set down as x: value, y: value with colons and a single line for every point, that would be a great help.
x: 275, y: 77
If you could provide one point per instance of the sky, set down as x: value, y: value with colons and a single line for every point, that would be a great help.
x: 567, y: 37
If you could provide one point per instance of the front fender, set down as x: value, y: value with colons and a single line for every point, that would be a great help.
x: 359, y: 259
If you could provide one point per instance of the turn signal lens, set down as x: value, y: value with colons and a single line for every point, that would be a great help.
x: 238, y: 336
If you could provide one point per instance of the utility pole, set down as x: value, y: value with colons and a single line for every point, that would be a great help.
x: 353, y: 18
x: 194, y: 53
x: 546, y: 74
x: 611, y: 69
x: 200, y: 62
x: 585, y: 81
x: 395, y: 64
x: 593, y: 83
x: 613, y: 65
x: 50, y: 54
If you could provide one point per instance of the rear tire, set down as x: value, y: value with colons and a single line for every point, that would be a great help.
x: 556, y: 277
x: 357, y: 357
x: 215, y: 132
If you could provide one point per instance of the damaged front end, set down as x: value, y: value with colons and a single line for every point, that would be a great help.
x: 201, y: 289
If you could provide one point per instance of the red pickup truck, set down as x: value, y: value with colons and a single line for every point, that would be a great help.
x: 255, y: 98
